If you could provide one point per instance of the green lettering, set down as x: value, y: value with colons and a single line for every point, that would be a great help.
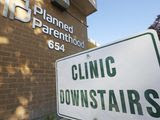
x: 92, y: 94
x: 102, y: 92
x: 112, y: 101
x: 62, y: 96
x: 84, y: 98
x: 154, y: 113
x: 74, y: 75
x: 123, y: 103
x: 81, y: 77
x: 134, y: 98
x: 110, y: 71
x: 93, y: 69
x: 102, y: 68
x: 67, y: 93
x: 75, y: 97
x: 86, y: 70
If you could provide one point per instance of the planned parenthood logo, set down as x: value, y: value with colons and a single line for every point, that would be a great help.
x: 10, y: 7
x: 13, y: 7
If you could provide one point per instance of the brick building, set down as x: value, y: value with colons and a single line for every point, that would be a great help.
x: 92, y: 43
x: 33, y: 35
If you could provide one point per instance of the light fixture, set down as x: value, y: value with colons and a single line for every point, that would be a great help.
x: 62, y: 4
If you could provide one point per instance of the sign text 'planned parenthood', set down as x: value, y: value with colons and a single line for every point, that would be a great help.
x: 113, y: 82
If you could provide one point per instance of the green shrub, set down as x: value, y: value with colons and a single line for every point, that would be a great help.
x: 50, y: 117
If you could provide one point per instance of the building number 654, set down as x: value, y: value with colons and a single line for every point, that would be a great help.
x: 55, y: 46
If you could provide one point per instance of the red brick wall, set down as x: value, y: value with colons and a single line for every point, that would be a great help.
x: 27, y: 72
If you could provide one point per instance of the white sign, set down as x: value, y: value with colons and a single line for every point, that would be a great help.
x: 119, y: 81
